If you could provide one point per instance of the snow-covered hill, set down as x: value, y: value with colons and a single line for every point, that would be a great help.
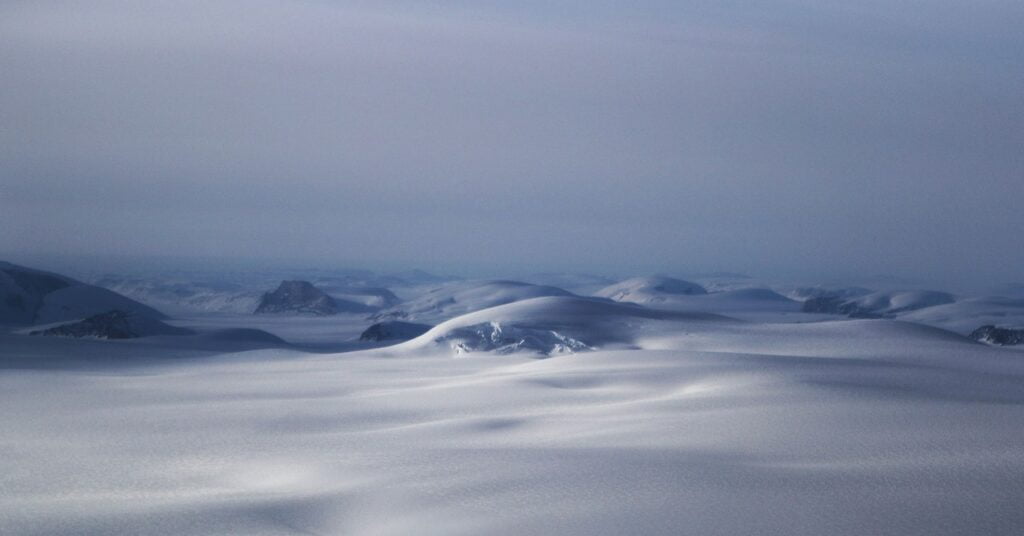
x: 649, y: 290
x: 550, y: 326
x: 463, y: 297
x: 878, y: 304
x: 677, y: 295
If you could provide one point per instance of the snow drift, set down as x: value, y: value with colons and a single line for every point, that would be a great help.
x: 550, y: 326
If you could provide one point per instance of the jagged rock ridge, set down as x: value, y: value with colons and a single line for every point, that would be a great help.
x: 394, y: 331
x: 998, y: 336
x: 297, y: 297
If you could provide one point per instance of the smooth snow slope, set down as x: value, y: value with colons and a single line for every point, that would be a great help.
x: 677, y: 295
x: 967, y: 315
x: 840, y: 428
x: 454, y: 299
x: 649, y: 290
x: 30, y: 296
x: 552, y: 325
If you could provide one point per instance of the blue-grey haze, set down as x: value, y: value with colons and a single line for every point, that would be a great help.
x: 785, y: 137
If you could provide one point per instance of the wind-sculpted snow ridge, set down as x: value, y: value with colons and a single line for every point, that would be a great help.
x: 29, y: 296
x: 551, y: 326
x: 454, y: 299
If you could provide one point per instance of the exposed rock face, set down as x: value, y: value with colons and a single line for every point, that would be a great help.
x: 394, y: 331
x: 886, y: 304
x: 297, y: 297
x: 502, y: 339
x: 836, y: 306
x: 999, y: 336
x: 113, y: 325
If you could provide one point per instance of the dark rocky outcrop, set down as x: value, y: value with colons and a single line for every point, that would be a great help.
x: 297, y: 297
x: 883, y: 304
x: 998, y: 336
x: 113, y: 325
x: 836, y: 305
x: 394, y: 331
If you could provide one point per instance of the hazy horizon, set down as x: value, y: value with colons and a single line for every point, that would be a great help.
x: 780, y: 139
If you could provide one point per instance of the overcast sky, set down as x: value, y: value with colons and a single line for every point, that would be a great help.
x: 784, y: 137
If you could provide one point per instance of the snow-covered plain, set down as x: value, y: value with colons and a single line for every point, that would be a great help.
x: 615, y: 418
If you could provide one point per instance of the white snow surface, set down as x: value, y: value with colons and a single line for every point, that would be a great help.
x: 675, y: 423
x: 649, y: 290
x: 678, y: 295
x: 551, y: 325
x: 458, y: 298
x: 966, y: 315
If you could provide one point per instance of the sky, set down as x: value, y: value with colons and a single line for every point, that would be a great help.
x: 802, y: 137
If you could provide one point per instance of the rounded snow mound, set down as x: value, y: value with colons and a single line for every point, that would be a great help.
x: 551, y: 326
x: 654, y: 289
x: 463, y: 297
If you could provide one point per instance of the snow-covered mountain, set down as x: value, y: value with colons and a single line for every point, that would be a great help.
x: 29, y: 296
x: 301, y: 297
x: 183, y: 295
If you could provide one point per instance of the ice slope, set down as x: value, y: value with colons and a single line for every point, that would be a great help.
x: 29, y: 296
x: 454, y: 299
x: 550, y: 326
x: 839, y: 428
